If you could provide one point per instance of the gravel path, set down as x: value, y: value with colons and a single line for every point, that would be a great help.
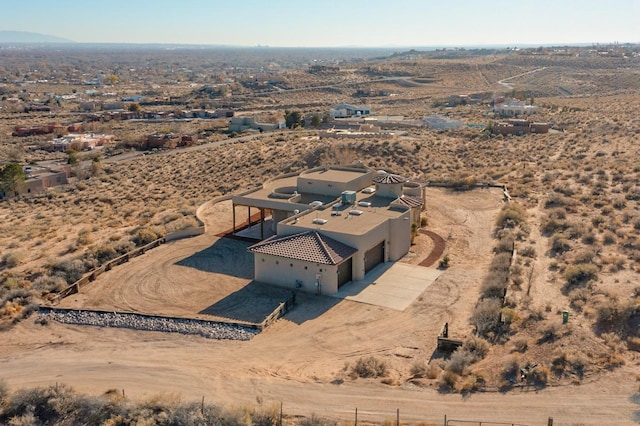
x: 208, y: 329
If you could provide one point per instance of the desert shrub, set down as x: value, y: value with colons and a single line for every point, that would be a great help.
x: 584, y: 256
x: 613, y: 341
x: 477, y: 347
x: 578, y: 298
x: 4, y: 394
x: 559, y: 363
x: 559, y: 244
x: 494, y: 284
x: 609, y: 238
x: 419, y: 369
x: 71, y: 269
x: 520, y: 344
x: 509, y: 315
x: 622, y: 319
x: 369, y: 367
x: 486, y: 316
x: 466, y: 183
x: 471, y: 383
x: 557, y: 200
x: 501, y: 262
x: 549, y: 333
x: 633, y: 343
x: 459, y: 362
x: 551, y: 226
x: 48, y: 283
x: 619, y: 203
x: 448, y: 380
x: 589, y: 238
x: 315, y: 420
x: 511, y: 215
x: 48, y: 405
x: 581, y: 274
x: 104, y: 253
x: 574, y: 231
x: 145, y: 236
x: 13, y: 258
x: 528, y: 251
x: 511, y: 370
x: 504, y: 245
x: 539, y: 376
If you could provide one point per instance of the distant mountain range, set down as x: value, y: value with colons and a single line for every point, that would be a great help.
x: 28, y: 37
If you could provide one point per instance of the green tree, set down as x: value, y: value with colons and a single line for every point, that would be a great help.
x: 315, y: 120
x: 111, y: 79
x: 13, y: 179
x: 134, y: 107
x: 293, y: 119
x: 72, y: 157
x: 96, y: 166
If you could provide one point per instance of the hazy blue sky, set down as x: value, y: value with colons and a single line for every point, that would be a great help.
x: 329, y: 22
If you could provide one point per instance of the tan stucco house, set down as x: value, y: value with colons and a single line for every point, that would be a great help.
x: 331, y: 225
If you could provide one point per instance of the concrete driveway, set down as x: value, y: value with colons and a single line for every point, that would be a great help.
x: 393, y: 285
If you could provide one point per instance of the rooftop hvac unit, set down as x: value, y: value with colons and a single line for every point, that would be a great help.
x: 348, y: 197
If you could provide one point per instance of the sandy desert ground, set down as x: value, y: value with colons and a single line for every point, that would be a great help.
x: 302, y: 360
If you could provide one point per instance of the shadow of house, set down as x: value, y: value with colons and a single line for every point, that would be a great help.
x: 251, y: 304
x: 226, y: 256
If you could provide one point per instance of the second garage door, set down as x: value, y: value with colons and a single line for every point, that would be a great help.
x: 373, y: 257
x: 344, y: 272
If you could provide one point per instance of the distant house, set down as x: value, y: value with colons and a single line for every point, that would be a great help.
x: 346, y: 110
x: 513, y: 108
x: 132, y: 98
x: 37, y: 130
x: 439, y: 122
x: 170, y: 140
x: 163, y: 140
x: 77, y: 142
x: 519, y: 127
x: 38, y: 179
x: 248, y: 122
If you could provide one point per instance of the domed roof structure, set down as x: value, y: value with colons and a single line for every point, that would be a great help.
x: 388, y: 178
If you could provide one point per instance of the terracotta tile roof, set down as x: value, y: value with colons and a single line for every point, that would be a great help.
x: 309, y: 246
x: 389, y: 178
x: 411, y: 201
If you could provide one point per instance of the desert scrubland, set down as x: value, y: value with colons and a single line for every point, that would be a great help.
x: 573, y: 219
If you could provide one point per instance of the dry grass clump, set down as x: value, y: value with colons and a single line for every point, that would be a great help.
x: 369, y: 367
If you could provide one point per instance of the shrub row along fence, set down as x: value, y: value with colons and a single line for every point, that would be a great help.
x: 93, y: 274
x: 205, y: 328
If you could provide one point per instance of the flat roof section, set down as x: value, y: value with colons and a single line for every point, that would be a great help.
x: 373, y: 214
x: 334, y: 175
x: 392, y: 285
